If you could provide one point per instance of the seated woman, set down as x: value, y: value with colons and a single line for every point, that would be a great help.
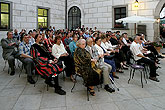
x: 72, y: 45
x: 46, y: 64
x: 51, y: 41
x: 82, y: 59
x: 101, y: 51
x: 58, y: 50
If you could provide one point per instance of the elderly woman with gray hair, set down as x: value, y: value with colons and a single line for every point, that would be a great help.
x: 83, y: 66
x: 100, y: 63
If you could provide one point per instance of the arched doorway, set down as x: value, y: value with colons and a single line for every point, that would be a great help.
x: 157, y: 12
x: 74, y: 18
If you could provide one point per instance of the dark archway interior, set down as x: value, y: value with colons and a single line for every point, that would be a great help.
x: 74, y: 18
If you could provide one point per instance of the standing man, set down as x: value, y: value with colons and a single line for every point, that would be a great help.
x: 10, y: 50
x: 24, y: 50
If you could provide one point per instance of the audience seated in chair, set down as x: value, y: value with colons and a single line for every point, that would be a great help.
x: 140, y: 58
x: 83, y: 60
x: 100, y: 63
x: 58, y: 50
x: 46, y: 64
x: 10, y: 51
x: 25, y: 57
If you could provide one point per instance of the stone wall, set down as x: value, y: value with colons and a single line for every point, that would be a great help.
x: 24, y: 14
x: 99, y: 13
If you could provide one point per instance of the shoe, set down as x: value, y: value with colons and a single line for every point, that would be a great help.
x: 157, y: 74
x: 107, y: 88
x: 157, y: 67
x: 115, y: 76
x: 160, y: 56
x: 120, y: 71
x: 12, y: 73
x: 127, y: 65
x: 59, y: 91
x: 30, y: 80
x: 48, y: 82
x: 91, y: 91
x: 154, y: 79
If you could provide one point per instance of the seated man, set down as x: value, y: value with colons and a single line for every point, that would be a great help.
x: 24, y: 50
x: 10, y: 50
x: 101, y: 64
x: 140, y: 58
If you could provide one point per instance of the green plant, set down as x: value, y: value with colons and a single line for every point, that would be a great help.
x: 157, y: 44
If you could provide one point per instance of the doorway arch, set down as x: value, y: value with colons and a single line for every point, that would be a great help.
x: 74, y: 18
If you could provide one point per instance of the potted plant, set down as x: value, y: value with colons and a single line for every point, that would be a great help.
x: 157, y: 46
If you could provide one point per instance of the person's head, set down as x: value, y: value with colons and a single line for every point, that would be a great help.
x: 75, y: 38
x: 103, y: 38
x: 34, y: 34
x: 117, y: 32
x: 108, y: 37
x: 89, y: 41
x: 113, y: 35
x: 26, y: 38
x: 43, y: 35
x: 57, y: 40
x: 38, y: 38
x: 137, y: 38
x: 121, y: 38
x: 9, y: 34
x: 51, y: 35
x: 81, y: 43
x: 124, y: 35
x: 15, y: 31
x: 98, y: 41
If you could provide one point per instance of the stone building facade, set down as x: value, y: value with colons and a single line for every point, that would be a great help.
x: 94, y: 13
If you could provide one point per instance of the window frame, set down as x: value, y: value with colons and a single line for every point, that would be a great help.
x: 48, y: 15
x: 113, y: 18
x: 9, y: 13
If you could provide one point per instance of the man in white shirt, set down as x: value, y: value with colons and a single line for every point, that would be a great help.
x: 140, y: 58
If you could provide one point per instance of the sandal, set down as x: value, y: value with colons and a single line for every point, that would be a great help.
x: 91, y: 91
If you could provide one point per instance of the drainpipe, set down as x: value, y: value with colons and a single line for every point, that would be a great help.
x: 66, y: 14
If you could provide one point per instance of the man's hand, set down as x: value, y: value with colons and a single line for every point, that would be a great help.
x: 11, y: 44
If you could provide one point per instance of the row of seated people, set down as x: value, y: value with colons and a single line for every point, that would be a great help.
x: 48, y: 59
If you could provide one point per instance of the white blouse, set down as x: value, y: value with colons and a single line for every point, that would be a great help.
x: 58, y: 50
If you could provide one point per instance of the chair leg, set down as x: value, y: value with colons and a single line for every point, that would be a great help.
x: 36, y: 81
x: 130, y: 75
x: 74, y: 83
x: 4, y: 66
x: 141, y: 78
x: 87, y: 95
x: 98, y: 88
x: 47, y: 86
x: 63, y: 75
x: 144, y: 76
x: 133, y: 73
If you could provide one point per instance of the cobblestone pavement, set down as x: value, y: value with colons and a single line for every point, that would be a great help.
x: 17, y: 94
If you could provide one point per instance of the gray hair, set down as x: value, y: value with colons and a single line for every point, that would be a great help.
x: 88, y: 40
x: 79, y: 42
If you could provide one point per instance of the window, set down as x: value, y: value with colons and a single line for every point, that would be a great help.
x: 4, y: 16
x: 42, y: 18
x: 119, y: 12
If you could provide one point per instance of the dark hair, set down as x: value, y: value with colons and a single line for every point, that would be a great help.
x: 8, y: 32
x: 103, y: 36
x: 36, y: 36
x: 24, y: 35
x: 56, y: 38
x: 117, y: 31
x: 97, y: 38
